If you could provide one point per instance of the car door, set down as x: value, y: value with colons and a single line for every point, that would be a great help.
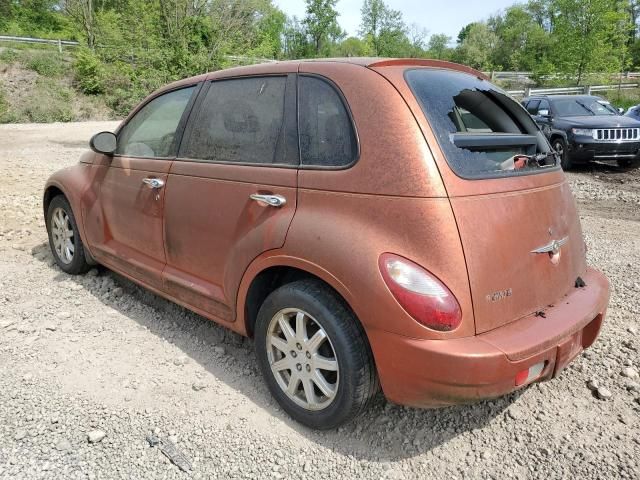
x: 124, y: 226
x: 231, y: 193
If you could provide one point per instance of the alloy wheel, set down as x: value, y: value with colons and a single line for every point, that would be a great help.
x: 62, y: 235
x: 302, y: 359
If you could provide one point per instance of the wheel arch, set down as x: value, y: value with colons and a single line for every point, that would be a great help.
x: 266, y: 274
x: 557, y: 134
x: 54, y: 189
x: 50, y: 192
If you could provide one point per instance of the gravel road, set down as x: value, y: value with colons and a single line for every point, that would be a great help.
x: 91, y: 365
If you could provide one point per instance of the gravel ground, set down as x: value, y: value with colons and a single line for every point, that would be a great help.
x: 91, y: 365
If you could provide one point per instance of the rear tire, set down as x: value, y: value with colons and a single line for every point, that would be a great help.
x: 560, y: 146
x: 321, y: 384
x: 64, y: 237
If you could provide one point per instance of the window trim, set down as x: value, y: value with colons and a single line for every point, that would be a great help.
x: 524, y: 173
x: 289, y: 121
x: 347, y: 107
x: 179, y: 128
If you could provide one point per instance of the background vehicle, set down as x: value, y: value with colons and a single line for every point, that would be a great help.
x: 584, y: 128
x: 633, y: 112
x: 361, y: 219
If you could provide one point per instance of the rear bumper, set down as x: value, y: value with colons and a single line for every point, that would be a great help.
x: 433, y: 373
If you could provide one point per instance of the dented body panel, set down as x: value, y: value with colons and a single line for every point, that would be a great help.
x: 201, y: 241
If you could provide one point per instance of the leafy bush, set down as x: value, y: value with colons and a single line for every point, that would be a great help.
x: 47, y: 64
x: 89, y: 72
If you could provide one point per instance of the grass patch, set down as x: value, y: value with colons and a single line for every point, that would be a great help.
x: 622, y: 98
x: 49, y: 102
x: 8, y: 56
x: 47, y: 64
x: 6, y: 115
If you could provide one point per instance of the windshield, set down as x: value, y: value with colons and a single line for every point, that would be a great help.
x: 583, y: 107
x: 482, y: 132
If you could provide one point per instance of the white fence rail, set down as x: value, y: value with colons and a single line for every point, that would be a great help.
x: 59, y: 43
x: 585, y: 90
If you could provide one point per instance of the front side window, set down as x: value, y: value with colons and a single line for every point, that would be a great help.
x: 544, y: 107
x: 482, y: 132
x: 327, y: 137
x: 151, y: 133
x: 240, y: 121
x: 532, y: 107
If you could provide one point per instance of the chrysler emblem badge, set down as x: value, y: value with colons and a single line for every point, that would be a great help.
x: 552, y: 249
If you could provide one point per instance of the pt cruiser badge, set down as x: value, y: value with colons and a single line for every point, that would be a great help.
x: 553, y: 249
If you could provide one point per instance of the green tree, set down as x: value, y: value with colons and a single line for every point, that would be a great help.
x: 295, y: 42
x: 477, y: 47
x: 522, y: 43
x: 352, y: 47
x: 321, y: 23
x: 588, y: 36
x: 438, y: 47
x: 384, y: 29
x: 464, y: 32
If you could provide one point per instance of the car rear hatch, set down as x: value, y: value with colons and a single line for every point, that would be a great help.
x: 515, y: 212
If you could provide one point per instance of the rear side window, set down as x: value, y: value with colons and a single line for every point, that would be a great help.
x: 327, y: 137
x: 482, y: 132
x: 240, y: 121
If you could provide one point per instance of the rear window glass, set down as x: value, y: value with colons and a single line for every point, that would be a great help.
x: 482, y: 132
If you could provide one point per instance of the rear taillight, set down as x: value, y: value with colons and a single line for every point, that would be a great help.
x: 422, y: 295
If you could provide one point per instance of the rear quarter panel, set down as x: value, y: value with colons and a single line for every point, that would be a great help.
x: 391, y: 200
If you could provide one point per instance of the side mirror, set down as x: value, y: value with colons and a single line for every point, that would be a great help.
x: 544, y: 113
x: 621, y: 111
x: 104, y: 142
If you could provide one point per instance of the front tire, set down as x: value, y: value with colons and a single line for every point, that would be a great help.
x: 560, y: 146
x: 64, y: 237
x: 314, y: 355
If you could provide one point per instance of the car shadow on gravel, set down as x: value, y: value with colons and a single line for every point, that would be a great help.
x: 386, y: 432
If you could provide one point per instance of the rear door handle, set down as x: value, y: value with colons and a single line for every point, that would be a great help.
x: 268, y: 200
x: 153, y: 182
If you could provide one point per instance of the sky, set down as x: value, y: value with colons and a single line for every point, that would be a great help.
x: 437, y: 16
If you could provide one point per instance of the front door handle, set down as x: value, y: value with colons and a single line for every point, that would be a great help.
x: 153, y: 182
x: 268, y: 200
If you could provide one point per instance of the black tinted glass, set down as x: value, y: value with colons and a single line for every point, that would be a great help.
x: 327, y: 137
x: 483, y: 133
x: 532, y: 106
x: 240, y: 120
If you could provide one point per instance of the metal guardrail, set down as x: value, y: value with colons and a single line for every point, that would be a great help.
x: 59, y: 43
x: 585, y: 90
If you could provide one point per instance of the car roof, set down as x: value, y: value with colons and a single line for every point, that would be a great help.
x: 293, y: 66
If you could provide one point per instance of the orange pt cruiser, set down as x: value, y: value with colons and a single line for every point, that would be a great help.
x: 369, y: 222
